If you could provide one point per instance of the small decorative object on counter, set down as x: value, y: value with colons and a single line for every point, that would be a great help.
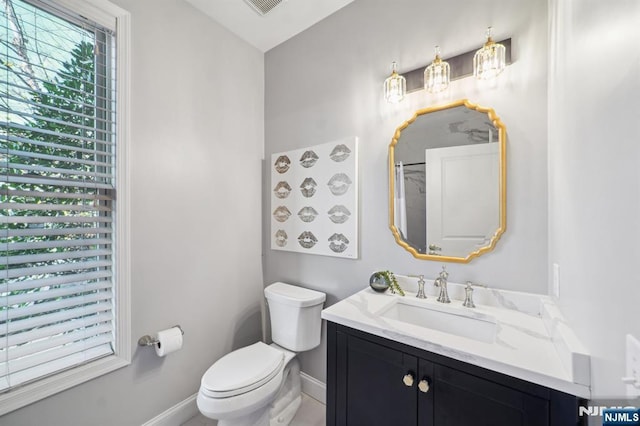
x: 378, y: 282
x: 382, y: 280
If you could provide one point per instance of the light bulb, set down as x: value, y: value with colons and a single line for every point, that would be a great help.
x: 395, y: 86
x: 437, y: 75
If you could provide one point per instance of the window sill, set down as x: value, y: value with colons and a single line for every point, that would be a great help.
x: 32, y: 392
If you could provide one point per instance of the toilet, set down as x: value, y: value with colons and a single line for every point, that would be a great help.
x: 259, y: 385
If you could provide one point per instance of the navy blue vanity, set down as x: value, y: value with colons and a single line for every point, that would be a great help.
x: 385, y: 368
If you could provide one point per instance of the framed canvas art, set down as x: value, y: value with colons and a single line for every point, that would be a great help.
x: 314, y: 199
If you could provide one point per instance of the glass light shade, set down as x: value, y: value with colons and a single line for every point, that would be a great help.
x: 437, y: 75
x: 395, y: 86
x: 489, y: 61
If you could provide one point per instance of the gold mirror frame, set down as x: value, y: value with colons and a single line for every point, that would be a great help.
x: 502, y: 182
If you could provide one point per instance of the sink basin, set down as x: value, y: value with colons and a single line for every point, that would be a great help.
x: 448, y: 319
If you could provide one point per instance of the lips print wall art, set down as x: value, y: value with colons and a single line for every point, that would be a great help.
x: 314, y: 199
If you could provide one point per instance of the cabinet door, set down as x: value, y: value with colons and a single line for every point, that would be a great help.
x: 462, y: 399
x: 374, y: 389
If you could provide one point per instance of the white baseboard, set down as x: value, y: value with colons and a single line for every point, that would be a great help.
x: 184, y: 410
x: 176, y: 415
x: 314, y: 387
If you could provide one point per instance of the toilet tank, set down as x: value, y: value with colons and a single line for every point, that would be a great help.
x: 295, y: 316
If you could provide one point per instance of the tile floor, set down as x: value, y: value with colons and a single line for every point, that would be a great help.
x: 311, y: 413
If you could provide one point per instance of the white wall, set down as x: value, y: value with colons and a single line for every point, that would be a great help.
x: 594, y: 176
x: 326, y: 84
x: 197, y: 121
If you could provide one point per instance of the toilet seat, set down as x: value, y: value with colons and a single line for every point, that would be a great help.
x: 242, y: 371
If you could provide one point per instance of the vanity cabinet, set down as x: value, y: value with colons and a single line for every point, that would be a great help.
x: 375, y: 381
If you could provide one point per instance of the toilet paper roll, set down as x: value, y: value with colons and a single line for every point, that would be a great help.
x: 169, y: 340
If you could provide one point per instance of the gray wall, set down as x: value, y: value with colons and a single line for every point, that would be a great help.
x: 594, y: 176
x: 195, y: 260
x: 326, y: 84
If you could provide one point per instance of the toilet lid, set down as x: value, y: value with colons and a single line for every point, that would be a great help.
x: 242, y: 370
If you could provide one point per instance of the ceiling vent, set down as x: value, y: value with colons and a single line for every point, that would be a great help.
x: 262, y: 7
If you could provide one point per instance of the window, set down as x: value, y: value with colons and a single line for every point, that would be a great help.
x: 63, y: 198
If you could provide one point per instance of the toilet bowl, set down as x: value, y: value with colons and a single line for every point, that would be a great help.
x: 244, y: 385
x: 259, y: 385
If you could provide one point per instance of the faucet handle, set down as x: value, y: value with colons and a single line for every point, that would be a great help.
x: 471, y: 284
x: 468, y: 294
x: 420, y: 294
x: 419, y: 277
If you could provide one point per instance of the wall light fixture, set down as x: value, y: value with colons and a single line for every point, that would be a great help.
x: 437, y: 75
x: 395, y: 86
x: 485, y: 63
x: 489, y: 61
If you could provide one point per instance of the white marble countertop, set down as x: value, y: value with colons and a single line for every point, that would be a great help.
x: 532, y: 341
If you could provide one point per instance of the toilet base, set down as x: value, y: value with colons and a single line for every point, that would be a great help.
x: 255, y: 418
x: 284, y: 407
x: 281, y: 411
x: 287, y: 414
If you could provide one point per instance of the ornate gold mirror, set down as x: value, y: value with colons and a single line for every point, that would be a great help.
x: 447, y: 182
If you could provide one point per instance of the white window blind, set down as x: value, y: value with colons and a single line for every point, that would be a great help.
x: 57, y: 191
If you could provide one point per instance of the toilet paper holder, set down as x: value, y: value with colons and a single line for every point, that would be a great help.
x: 150, y: 341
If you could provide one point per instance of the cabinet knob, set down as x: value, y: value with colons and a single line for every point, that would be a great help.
x: 423, y: 386
x: 408, y: 379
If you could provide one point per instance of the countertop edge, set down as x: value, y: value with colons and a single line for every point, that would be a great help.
x: 555, y: 383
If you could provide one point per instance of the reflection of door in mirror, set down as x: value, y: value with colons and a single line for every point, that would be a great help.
x: 462, y: 197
